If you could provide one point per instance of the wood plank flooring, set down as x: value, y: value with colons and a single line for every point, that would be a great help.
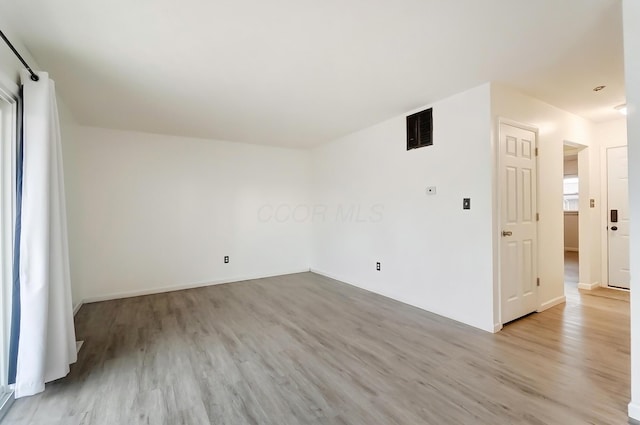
x: 571, y: 283
x: 304, y: 349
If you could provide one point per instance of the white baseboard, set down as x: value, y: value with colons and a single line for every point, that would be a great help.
x: 551, y: 303
x: 171, y: 288
x: 330, y: 276
x: 491, y: 328
x: 571, y: 249
x: 76, y: 308
x: 497, y: 327
x: 588, y: 286
x: 634, y: 411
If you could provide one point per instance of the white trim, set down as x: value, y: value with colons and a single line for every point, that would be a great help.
x: 488, y: 328
x: 8, y: 144
x: 571, y: 249
x: 171, y: 288
x: 9, y: 86
x: 513, y: 123
x: 497, y: 327
x: 588, y: 286
x: 76, y: 308
x: 551, y: 303
x: 604, y: 218
x: 330, y: 276
x: 6, y: 400
x: 615, y: 288
x: 634, y: 411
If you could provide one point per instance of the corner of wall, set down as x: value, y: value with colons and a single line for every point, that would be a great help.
x: 410, y: 229
x: 631, y: 17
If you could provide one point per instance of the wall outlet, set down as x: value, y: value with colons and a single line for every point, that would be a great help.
x: 378, y: 266
x: 226, y: 259
x: 466, y: 203
x: 431, y: 190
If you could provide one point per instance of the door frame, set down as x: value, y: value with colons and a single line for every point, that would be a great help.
x: 8, y: 151
x: 498, y: 209
x: 604, y: 219
x: 584, y: 152
x: 604, y: 215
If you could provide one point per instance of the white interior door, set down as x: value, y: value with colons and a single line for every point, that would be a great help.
x: 518, y: 250
x: 618, y: 216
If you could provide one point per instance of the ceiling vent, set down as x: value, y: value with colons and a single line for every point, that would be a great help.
x: 420, y: 129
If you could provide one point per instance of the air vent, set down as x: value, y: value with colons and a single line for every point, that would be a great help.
x: 420, y: 129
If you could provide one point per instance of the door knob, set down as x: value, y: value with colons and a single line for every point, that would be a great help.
x: 614, y: 228
x: 507, y: 233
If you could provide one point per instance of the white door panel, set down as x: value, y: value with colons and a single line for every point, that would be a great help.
x: 518, y: 256
x: 618, y: 227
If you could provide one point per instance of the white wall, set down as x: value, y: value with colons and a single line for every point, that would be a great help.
x: 150, y: 212
x: 631, y: 11
x: 571, y: 165
x: 434, y: 254
x: 10, y: 66
x: 611, y: 133
x: 555, y: 127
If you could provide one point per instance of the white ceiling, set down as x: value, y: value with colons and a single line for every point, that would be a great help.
x: 300, y: 72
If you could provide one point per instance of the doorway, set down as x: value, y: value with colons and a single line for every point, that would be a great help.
x: 571, y: 211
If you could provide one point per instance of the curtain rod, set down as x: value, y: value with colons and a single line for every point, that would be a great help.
x: 34, y: 77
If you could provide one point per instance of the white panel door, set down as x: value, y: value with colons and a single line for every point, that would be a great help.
x: 618, y: 216
x: 518, y: 250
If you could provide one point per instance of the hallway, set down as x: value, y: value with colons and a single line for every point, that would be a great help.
x: 580, y: 296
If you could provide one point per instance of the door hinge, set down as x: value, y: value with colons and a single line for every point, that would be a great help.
x: 537, y: 216
x: 536, y: 151
x: 538, y: 281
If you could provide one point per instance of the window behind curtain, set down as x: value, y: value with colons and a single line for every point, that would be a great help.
x: 7, y: 202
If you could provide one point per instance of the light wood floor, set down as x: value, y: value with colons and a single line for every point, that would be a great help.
x: 304, y: 349
x: 575, y: 295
